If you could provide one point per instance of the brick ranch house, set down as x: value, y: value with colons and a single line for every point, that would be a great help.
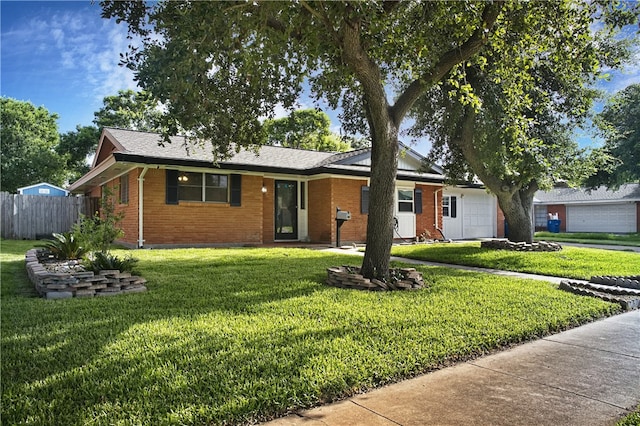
x: 173, y: 196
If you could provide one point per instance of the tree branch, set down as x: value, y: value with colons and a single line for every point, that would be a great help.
x: 470, y: 47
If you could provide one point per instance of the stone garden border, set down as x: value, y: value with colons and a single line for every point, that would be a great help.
x: 64, y: 285
x: 622, y: 290
x: 349, y: 277
x: 510, y: 245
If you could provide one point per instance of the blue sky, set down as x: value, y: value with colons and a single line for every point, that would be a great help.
x: 64, y: 56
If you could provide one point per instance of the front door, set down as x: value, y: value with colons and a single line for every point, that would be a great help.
x: 286, y: 210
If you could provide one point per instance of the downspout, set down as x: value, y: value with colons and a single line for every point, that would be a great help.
x: 141, y: 207
x: 435, y: 207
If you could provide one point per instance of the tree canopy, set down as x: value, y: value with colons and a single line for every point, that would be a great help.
x: 76, y: 146
x: 129, y: 110
x: 219, y: 66
x: 619, y: 122
x: 29, y: 135
x: 304, y: 129
x: 509, y: 116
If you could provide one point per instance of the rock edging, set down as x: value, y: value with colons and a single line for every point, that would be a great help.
x: 521, y: 246
x: 64, y: 285
x: 349, y: 277
x: 622, y: 290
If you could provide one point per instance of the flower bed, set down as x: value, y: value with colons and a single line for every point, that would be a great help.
x: 63, y: 280
x: 350, y: 277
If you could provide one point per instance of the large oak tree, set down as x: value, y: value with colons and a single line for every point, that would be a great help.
x: 508, y: 114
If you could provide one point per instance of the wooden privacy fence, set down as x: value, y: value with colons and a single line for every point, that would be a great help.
x: 35, y: 216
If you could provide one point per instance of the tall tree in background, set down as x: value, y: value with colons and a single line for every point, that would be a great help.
x: 619, y: 122
x: 304, y: 129
x: 217, y: 66
x: 509, y: 115
x: 29, y: 135
x: 76, y: 146
x: 129, y: 110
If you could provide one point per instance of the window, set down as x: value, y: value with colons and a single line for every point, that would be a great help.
x: 203, y: 187
x: 124, y: 189
x: 303, y: 195
x: 405, y: 200
x: 541, y: 216
x: 449, y: 206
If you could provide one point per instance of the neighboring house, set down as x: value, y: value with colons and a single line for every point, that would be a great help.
x: 172, y: 196
x: 43, y: 188
x: 470, y: 212
x: 599, y: 210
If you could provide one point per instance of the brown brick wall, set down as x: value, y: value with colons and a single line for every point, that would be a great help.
x: 201, y: 223
x: 129, y: 223
x: 327, y: 194
x: 319, y: 210
x: 500, y: 220
x: 426, y: 221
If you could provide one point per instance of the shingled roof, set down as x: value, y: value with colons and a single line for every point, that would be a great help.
x: 627, y: 192
x: 135, y: 148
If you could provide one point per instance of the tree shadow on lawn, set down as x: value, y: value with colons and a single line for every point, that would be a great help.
x: 212, y: 340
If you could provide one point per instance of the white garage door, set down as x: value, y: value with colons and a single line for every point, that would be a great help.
x: 478, y: 215
x: 602, y: 218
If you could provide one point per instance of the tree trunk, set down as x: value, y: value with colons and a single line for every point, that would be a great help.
x: 517, y: 208
x: 384, y: 164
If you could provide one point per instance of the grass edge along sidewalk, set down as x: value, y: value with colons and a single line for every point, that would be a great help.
x: 570, y: 262
x: 244, y: 335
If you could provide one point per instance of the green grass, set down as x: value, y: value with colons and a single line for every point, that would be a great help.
x: 591, y: 238
x: 243, y: 335
x: 632, y: 419
x: 570, y: 262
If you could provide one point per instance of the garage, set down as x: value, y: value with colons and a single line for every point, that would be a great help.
x: 615, y: 218
x: 468, y: 213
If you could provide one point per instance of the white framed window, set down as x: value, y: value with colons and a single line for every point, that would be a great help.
x: 208, y: 187
x: 405, y: 200
x: 449, y: 206
x: 124, y: 189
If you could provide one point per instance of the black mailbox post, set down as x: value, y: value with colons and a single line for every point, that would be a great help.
x: 341, y: 217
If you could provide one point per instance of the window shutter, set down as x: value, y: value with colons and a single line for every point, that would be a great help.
x: 364, y: 199
x: 454, y: 207
x: 417, y: 200
x: 172, y: 186
x: 236, y: 190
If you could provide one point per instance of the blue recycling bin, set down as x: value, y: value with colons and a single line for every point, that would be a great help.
x: 553, y: 225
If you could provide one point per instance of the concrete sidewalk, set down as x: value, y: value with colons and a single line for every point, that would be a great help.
x: 589, y: 375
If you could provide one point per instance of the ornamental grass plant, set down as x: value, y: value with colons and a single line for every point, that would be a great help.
x: 238, y: 336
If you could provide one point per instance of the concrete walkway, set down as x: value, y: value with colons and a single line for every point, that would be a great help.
x: 589, y: 375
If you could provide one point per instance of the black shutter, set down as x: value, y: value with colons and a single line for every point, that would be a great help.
x: 236, y: 190
x: 417, y: 200
x: 454, y: 207
x: 172, y: 186
x: 364, y: 200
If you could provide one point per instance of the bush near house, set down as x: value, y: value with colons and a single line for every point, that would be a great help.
x: 243, y: 335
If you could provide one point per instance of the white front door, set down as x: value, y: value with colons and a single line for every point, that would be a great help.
x: 405, y: 214
x: 451, y: 216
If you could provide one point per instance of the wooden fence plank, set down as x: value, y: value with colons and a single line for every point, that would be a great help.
x: 36, y: 216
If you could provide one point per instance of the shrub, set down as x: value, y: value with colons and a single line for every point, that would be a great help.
x: 98, y: 232
x: 64, y: 246
x: 103, y: 261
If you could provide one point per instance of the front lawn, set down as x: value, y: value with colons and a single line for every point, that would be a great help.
x: 591, y: 238
x: 242, y: 335
x: 570, y: 262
